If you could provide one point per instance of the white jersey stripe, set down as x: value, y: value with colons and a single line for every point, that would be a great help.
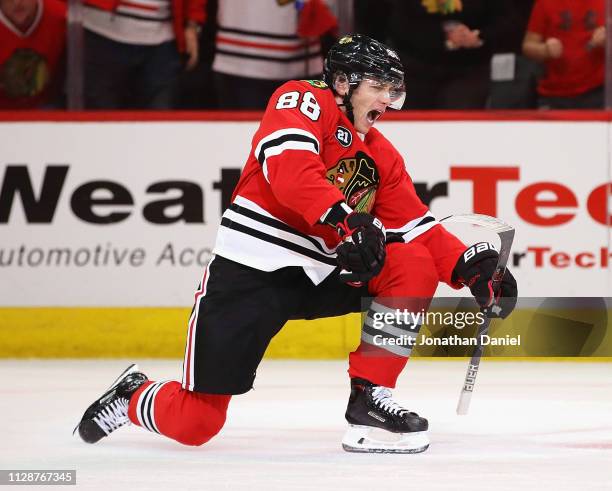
x: 415, y: 232
x: 140, y: 405
x: 281, y: 140
x: 160, y: 15
x: 264, y: 256
x: 250, y: 31
x: 263, y: 41
x: 272, y: 52
x: 275, y: 232
x: 268, y: 70
x: 146, y: 407
x: 267, y: 254
x: 288, y: 145
x: 130, y: 25
x: 411, y: 224
x: 279, y: 134
x: 189, y: 330
x: 152, y: 410
x: 249, y: 205
x: 188, y: 382
x: 414, y: 228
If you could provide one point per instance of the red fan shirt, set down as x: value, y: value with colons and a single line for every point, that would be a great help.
x: 306, y: 156
x: 29, y: 60
x: 581, y: 67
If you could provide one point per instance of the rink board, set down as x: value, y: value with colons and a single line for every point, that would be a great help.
x: 160, y: 333
x: 104, y: 257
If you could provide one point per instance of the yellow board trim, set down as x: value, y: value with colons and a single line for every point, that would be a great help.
x: 82, y: 332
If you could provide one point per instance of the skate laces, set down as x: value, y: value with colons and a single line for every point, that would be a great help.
x: 384, y: 399
x: 113, y: 416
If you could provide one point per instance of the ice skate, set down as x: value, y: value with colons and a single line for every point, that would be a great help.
x: 378, y: 424
x: 110, y: 411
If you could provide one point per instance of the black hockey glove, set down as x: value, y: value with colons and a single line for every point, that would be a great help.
x: 362, y: 251
x: 475, y: 269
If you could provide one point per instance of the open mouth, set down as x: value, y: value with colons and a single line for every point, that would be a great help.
x: 373, y: 115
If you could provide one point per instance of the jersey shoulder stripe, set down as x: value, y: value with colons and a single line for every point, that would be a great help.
x: 288, y: 138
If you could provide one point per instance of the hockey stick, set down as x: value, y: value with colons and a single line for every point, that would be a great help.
x: 506, y: 236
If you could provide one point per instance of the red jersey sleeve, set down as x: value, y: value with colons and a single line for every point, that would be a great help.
x: 195, y: 10
x: 407, y: 219
x: 538, y: 21
x: 288, y: 145
x: 446, y: 249
x: 397, y: 203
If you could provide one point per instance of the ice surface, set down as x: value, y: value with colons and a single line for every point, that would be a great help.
x: 544, y: 426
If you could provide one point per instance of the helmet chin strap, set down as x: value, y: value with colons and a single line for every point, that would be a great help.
x: 346, y: 102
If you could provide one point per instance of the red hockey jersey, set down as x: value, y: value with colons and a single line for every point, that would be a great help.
x: 305, y: 157
x: 28, y: 61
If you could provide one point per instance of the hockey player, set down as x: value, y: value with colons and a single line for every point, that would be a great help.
x: 324, y: 214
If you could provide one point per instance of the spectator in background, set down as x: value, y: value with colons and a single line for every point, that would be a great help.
x: 261, y: 44
x: 446, y: 48
x: 514, y: 77
x: 32, y: 43
x: 569, y: 37
x: 133, y: 51
x: 196, y: 87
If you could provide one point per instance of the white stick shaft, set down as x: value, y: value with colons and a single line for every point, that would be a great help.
x: 506, y: 236
x: 464, y: 403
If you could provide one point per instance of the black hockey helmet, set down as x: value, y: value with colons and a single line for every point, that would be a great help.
x: 359, y: 57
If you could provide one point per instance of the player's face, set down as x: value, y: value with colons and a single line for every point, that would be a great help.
x: 19, y: 12
x: 370, y: 101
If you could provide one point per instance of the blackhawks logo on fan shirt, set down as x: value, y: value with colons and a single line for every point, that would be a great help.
x: 442, y: 6
x: 358, y: 179
x: 25, y: 74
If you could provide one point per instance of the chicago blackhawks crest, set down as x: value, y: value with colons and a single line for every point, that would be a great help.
x: 357, y: 178
x: 25, y: 74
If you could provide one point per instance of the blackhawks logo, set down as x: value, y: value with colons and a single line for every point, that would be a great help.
x: 358, y: 179
x: 25, y: 74
x: 443, y: 7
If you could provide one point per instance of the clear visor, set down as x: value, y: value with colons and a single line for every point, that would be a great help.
x: 394, y: 87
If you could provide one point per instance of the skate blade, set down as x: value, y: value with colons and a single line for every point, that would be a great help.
x: 364, y: 439
x: 132, y: 368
